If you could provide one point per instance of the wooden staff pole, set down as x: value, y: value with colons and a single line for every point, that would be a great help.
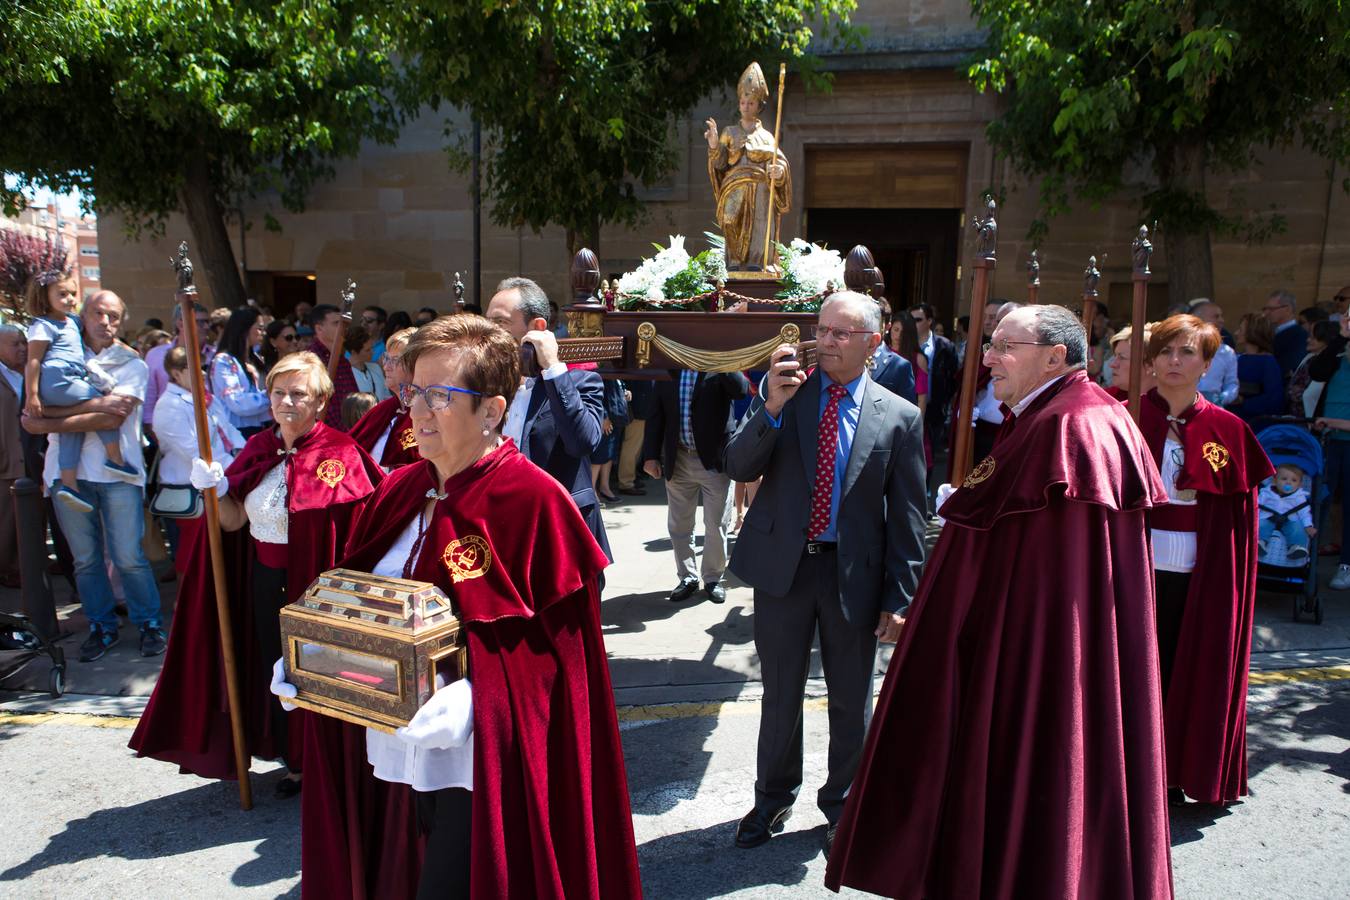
x: 1142, y: 249
x: 348, y: 301
x: 1034, y: 278
x: 979, y: 296
x: 1091, y: 276
x: 186, y: 297
x: 777, y: 124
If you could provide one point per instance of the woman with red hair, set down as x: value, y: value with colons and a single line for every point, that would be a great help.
x: 1204, y: 557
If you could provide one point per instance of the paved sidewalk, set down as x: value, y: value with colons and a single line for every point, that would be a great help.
x: 659, y: 651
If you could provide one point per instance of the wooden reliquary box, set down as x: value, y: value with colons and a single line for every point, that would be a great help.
x: 368, y: 649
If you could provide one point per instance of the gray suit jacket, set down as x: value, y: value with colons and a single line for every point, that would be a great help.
x: 882, y: 504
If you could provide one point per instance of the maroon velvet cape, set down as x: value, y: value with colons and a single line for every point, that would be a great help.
x: 550, y: 800
x: 401, y: 448
x: 1016, y: 749
x: 187, y: 720
x: 1206, y: 708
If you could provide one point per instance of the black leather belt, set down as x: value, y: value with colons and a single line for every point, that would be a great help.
x: 815, y: 547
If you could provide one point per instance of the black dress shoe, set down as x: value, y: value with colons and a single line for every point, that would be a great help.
x: 716, y: 593
x: 684, y: 590
x: 757, y: 827
x: 829, y: 839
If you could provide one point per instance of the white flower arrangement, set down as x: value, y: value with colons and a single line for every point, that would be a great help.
x: 809, y: 268
x: 649, y: 279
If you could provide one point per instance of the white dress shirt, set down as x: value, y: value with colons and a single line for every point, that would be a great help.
x: 175, y: 427
x: 426, y: 769
x: 1026, y: 401
x: 520, y: 403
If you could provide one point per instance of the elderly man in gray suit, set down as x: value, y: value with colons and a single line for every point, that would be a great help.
x: 832, y: 545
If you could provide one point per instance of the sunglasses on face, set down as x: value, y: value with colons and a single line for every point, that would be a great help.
x: 288, y: 338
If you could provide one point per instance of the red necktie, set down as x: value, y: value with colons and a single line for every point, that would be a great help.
x: 827, y: 445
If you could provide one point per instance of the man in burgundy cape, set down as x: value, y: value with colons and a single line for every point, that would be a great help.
x: 550, y: 813
x: 1206, y: 697
x: 387, y: 416
x: 1016, y: 749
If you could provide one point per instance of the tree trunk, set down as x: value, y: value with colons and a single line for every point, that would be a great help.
x: 1190, y: 266
x: 210, y: 249
x: 587, y: 236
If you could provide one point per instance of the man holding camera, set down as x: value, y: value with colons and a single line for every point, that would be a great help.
x: 555, y: 416
x: 833, y: 543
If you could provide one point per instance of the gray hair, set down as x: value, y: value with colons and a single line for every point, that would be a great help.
x: 869, y: 308
x: 533, y: 300
x: 1057, y: 325
x: 11, y: 328
x: 1284, y: 298
x: 1007, y: 308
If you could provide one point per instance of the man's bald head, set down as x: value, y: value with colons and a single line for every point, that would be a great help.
x: 13, y: 347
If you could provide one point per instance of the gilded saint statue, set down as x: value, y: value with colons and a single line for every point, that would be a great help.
x: 741, y: 163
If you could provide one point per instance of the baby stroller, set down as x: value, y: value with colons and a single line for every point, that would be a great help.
x: 1288, y: 443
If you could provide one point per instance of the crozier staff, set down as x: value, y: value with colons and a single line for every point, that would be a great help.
x: 525, y: 758
x: 1204, y: 557
x: 296, y: 486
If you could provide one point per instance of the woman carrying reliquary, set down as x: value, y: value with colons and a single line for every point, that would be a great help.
x: 742, y: 162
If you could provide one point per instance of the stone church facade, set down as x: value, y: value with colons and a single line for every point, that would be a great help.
x: 895, y: 157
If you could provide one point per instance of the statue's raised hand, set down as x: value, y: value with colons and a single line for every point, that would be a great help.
x: 710, y: 134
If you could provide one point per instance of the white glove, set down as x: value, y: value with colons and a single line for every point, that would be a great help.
x: 204, y: 477
x: 280, y: 686
x: 445, y: 721
x: 943, y: 492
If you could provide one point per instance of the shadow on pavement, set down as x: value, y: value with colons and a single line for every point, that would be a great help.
x: 1287, y: 737
x: 1189, y: 821
x: 705, y: 863
x: 195, y: 819
x: 630, y: 613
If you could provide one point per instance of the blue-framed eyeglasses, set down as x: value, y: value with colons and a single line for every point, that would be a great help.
x: 435, y: 396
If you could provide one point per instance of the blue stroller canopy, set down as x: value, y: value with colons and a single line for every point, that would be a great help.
x: 1294, y: 445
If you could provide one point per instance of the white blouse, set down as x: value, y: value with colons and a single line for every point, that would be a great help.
x: 377, y: 451
x: 1174, y: 551
x: 267, y: 509
x: 175, y: 425
x: 426, y: 769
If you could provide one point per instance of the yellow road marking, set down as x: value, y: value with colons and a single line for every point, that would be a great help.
x: 658, y: 712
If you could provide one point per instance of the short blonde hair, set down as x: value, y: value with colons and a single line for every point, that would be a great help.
x: 1127, y: 332
x: 309, y: 365
x: 398, y: 338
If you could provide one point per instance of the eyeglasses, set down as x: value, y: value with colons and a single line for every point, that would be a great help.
x: 1001, y: 347
x: 392, y: 359
x: 435, y: 396
x: 842, y: 335
x: 288, y: 338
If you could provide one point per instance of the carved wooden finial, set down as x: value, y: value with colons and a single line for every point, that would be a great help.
x: 1091, y: 276
x: 182, y: 266
x: 585, y: 276
x: 1142, y: 250
x: 348, y: 295
x: 860, y: 271
x: 987, y: 230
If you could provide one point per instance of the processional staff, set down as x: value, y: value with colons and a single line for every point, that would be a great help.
x: 1034, y: 278
x: 1142, y: 250
x: 777, y: 124
x: 987, y: 229
x: 348, y: 301
x: 1091, y: 276
x: 186, y: 297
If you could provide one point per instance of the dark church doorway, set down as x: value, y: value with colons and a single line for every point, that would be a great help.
x: 281, y: 291
x: 916, y: 250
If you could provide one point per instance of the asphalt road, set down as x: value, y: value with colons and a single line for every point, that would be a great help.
x: 82, y: 817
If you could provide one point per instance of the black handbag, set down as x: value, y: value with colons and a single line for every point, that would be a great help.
x: 177, y: 501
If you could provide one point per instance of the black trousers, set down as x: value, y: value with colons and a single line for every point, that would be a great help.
x: 1170, y: 589
x: 785, y: 628
x: 985, y: 433
x: 268, y: 597
x: 445, y: 816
